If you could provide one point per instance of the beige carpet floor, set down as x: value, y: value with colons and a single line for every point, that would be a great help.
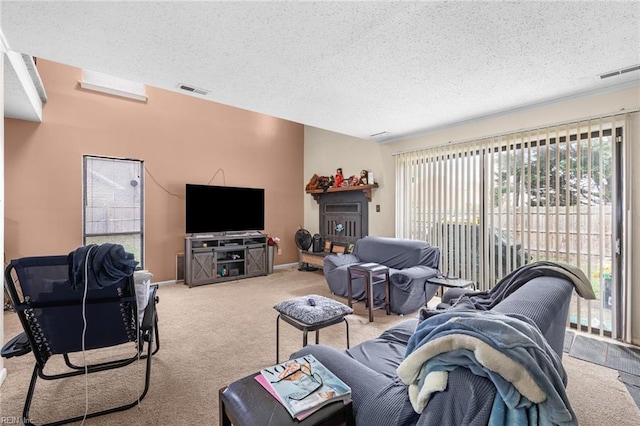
x: 214, y: 334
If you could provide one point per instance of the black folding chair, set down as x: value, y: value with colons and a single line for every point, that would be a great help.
x: 51, y: 313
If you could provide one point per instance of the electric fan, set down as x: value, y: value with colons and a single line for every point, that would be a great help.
x: 304, y: 241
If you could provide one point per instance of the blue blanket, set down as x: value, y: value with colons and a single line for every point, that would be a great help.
x: 104, y: 264
x: 519, y: 277
x: 509, y: 350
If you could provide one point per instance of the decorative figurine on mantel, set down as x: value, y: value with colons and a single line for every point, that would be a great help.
x: 364, y: 178
x: 339, y: 178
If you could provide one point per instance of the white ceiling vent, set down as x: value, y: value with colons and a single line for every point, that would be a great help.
x: 620, y: 71
x: 192, y: 89
x: 380, y: 135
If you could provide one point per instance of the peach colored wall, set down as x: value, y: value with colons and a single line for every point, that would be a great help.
x: 181, y: 139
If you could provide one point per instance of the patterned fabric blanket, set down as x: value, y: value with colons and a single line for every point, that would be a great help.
x: 509, y: 350
x: 485, y: 300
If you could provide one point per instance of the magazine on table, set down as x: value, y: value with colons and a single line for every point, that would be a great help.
x: 303, y: 385
x: 265, y: 384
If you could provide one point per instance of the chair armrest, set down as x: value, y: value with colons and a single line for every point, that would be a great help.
x: 17, y: 346
x: 404, y: 278
x: 334, y: 261
x: 148, y: 321
x: 419, y: 272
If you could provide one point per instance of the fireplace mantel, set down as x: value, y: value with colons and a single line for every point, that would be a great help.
x: 317, y: 193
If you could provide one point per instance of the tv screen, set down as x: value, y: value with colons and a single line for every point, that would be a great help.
x: 223, y: 209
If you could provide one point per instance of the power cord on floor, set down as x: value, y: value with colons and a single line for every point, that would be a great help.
x: 84, y: 332
x: 138, y: 347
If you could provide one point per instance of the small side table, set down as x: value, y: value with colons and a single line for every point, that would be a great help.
x: 451, y: 282
x: 246, y: 403
x: 373, y: 273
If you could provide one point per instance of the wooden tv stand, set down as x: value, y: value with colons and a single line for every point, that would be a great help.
x: 217, y: 258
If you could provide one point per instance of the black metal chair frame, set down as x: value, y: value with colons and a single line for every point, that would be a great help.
x: 147, y: 332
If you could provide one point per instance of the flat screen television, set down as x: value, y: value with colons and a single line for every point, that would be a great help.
x: 221, y: 209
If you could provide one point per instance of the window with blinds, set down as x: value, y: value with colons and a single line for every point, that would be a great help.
x: 113, y: 203
x: 497, y: 203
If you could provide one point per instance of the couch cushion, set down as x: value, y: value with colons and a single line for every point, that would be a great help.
x: 383, y: 354
x: 396, y: 252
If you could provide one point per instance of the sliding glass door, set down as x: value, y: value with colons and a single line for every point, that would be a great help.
x: 495, y: 204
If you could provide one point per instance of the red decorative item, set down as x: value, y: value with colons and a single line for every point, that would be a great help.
x: 273, y: 241
x: 339, y: 178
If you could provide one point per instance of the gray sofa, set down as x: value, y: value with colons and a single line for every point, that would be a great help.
x: 411, y: 263
x: 381, y: 397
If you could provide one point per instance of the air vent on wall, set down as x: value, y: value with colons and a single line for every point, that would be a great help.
x: 620, y: 71
x: 192, y: 89
x: 105, y: 83
x: 380, y: 135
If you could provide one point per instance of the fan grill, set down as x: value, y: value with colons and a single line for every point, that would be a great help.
x: 303, y: 239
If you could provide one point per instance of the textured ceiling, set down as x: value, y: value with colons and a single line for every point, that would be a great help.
x: 357, y: 68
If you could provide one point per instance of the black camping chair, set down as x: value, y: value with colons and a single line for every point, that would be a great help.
x: 51, y: 313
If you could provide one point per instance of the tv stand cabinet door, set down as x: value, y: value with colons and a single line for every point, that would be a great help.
x: 256, y: 261
x: 203, y: 269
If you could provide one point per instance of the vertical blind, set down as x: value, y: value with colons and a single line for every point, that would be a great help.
x: 497, y: 203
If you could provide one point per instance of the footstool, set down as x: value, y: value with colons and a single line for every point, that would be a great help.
x: 310, y: 313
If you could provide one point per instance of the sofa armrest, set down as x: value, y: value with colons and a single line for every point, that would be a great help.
x: 468, y: 399
x: 377, y: 399
x: 407, y: 277
x: 362, y: 379
x: 333, y: 261
x: 452, y: 294
x: 401, y: 332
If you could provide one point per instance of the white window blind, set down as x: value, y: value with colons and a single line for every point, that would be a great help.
x: 497, y: 203
x: 113, y: 203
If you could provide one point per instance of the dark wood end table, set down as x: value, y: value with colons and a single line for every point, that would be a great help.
x: 373, y: 273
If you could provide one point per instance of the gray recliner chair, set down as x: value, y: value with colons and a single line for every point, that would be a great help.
x: 411, y: 263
